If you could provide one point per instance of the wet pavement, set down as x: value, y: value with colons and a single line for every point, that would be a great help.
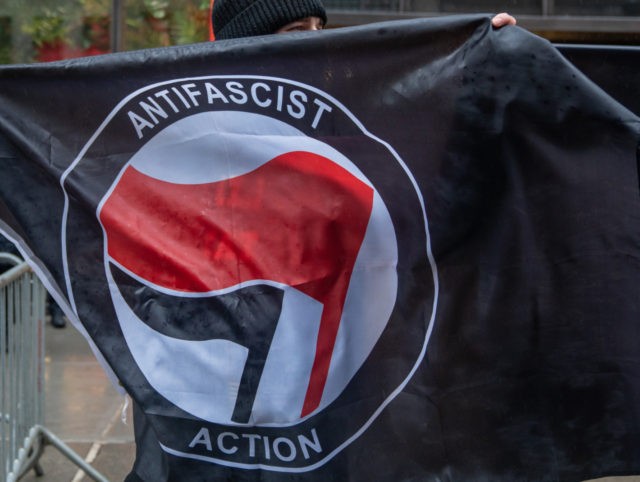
x: 82, y: 408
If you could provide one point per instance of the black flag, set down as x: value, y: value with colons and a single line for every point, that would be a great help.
x: 404, y: 251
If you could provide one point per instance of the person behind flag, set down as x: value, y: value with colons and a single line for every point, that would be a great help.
x: 248, y: 18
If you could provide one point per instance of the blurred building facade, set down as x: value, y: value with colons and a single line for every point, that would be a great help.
x: 45, y: 30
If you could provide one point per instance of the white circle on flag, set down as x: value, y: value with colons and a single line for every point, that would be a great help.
x: 217, y: 146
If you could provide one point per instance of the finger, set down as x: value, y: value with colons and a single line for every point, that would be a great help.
x: 503, y: 19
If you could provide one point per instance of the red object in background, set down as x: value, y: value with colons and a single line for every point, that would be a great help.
x: 212, y: 35
x: 95, y: 31
x: 58, y: 50
x: 50, y: 51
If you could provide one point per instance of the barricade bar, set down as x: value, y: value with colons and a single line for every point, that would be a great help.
x: 22, y: 433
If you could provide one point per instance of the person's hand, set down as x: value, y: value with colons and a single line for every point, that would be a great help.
x: 503, y: 19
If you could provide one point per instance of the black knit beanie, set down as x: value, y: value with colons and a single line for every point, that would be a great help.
x: 246, y: 18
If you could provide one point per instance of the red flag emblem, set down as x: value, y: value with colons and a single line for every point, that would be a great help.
x: 298, y: 219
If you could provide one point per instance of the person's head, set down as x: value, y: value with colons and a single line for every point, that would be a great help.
x: 247, y: 18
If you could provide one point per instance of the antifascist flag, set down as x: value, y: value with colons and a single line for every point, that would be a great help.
x: 404, y: 251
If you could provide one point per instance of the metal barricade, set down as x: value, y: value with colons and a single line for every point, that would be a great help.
x: 22, y: 433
